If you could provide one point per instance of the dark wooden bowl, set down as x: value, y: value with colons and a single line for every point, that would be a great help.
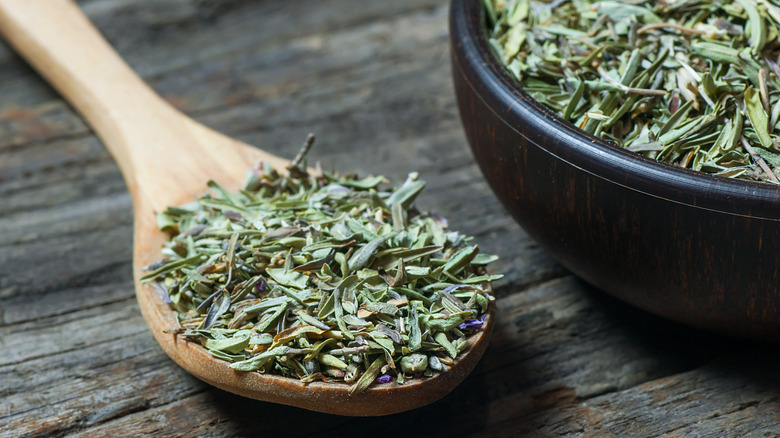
x: 694, y: 248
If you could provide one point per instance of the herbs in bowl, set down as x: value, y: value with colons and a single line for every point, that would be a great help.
x: 692, y: 83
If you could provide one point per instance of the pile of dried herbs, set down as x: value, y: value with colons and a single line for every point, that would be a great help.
x: 688, y: 82
x: 322, y: 277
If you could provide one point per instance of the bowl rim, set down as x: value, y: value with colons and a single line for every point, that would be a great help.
x: 475, y: 61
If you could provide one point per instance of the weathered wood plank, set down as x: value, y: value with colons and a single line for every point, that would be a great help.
x: 50, y: 174
x: 192, y: 416
x: 41, y: 123
x: 735, y: 396
x: 123, y: 375
x: 167, y: 36
x: 61, y: 253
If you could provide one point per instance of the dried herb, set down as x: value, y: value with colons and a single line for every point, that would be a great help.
x: 322, y: 277
x: 693, y: 83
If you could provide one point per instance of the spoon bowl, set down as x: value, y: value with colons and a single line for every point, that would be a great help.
x: 166, y: 159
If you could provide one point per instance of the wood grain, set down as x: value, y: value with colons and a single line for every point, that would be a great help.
x: 78, y: 359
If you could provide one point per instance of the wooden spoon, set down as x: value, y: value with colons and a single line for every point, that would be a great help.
x: 166, y: 158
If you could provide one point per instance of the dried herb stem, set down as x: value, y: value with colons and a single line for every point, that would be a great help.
x: 656, y: 26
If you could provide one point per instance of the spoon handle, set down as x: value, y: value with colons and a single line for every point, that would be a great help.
x: 157, y: 148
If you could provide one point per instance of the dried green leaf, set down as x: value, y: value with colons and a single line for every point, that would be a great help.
x: 364, y: 253
x: 407, y: 193
x: 219, y: 306
x: 260, y: 360
x: 413, y: 328
x: 288, y: 278
x: 758, y: 117
x: 234, y: 344
x: 756, y: 25
x: 441, y: 339
x: 369, y: 376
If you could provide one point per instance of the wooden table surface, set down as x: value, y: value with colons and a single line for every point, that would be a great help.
x: 372, y: 80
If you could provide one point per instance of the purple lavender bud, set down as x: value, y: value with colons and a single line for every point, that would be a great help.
x: 449, y: 289
x: 162, y: 291
x: 260, y: 285
x: 232, y: 215
x: 441, y: 220
x: 475, y: 324
x: 384, y: 378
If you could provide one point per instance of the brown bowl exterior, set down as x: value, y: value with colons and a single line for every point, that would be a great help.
x: 694, y: 248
